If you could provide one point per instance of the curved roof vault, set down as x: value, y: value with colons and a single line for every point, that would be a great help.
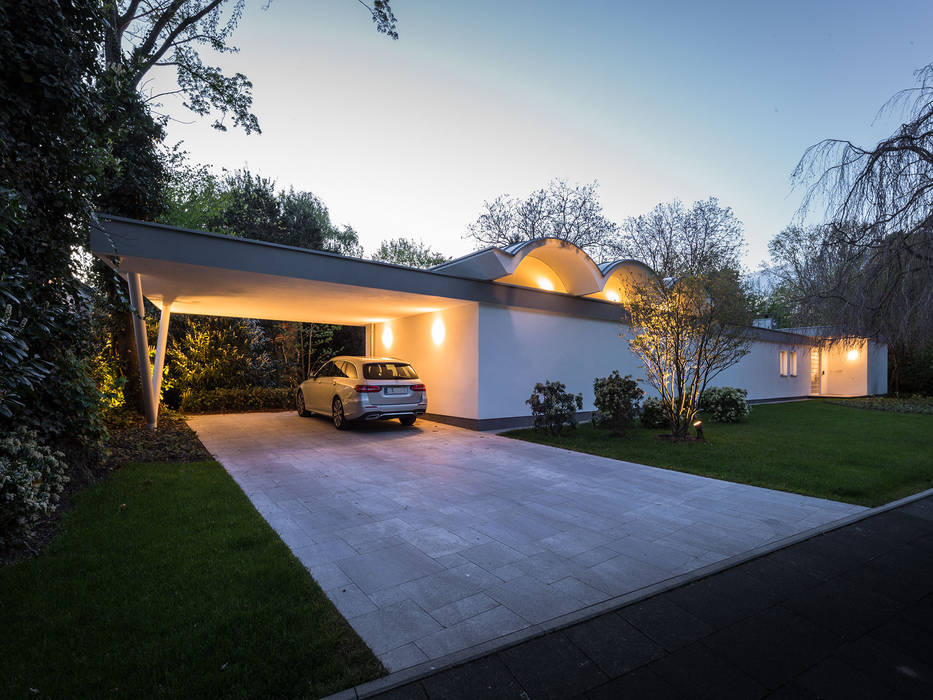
x: 551, y: 264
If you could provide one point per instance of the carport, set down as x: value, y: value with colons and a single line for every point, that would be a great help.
x: 194, y: 272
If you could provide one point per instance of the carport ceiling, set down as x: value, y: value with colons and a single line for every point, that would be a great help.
x: 197, y: 289
x: 211, y: 274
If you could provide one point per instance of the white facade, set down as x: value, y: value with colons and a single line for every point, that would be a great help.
x: 483, y: 365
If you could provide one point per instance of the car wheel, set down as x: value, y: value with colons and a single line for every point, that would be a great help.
x: 407, y: 420
x: 300, y: 404
x: 340, y: 420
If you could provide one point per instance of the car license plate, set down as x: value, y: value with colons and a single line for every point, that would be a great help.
x: 396, y: 390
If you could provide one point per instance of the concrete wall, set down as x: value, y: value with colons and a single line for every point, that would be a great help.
x: 450, y: 368
x: 759, y: 372
x: 519, y: 348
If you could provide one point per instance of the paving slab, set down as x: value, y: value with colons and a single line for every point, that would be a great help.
x: 433, y: 539
x: 851, y: 635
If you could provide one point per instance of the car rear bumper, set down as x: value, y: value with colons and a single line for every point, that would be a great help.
x: 391, y: 412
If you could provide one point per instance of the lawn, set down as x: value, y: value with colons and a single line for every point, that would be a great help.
x: 813, y: 448
x: 164, y: 581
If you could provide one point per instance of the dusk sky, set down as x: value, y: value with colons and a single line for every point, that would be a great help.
x: 654, y: 100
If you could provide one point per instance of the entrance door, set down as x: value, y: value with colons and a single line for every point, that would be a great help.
x: 814, y: 371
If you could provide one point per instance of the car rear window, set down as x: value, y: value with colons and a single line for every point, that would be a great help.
x: 388, y: 370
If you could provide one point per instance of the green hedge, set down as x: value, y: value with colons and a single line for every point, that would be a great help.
x: 231, y: 400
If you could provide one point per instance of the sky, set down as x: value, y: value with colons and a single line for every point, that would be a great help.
x: 655, y: 100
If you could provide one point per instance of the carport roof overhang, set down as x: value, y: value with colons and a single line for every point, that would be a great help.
x: 206, y: 273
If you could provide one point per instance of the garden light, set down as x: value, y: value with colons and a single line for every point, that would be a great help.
x: 852, y: 355
x: 698, y: 425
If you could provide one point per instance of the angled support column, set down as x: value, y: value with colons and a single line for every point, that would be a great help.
x: 142, y: 347
x: 160, y: 356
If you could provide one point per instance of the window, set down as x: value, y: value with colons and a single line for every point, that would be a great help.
x: 793, y: 364
x: 783, y: 363
x: 329, y: 370
x: 349, y: 370
x: 388, y: 370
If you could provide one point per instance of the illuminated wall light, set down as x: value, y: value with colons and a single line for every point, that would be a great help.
x: 612, y: 295
x: 387, y: 337
x: 852, y: 355
x: 545, y: 283
x: 438, y: 331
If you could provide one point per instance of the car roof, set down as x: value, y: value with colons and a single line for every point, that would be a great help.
x: 367, y: 358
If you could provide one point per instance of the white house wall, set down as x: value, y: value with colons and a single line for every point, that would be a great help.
x: 759, y: 372
x: 846, y: 376
x: 519, y: 348
x: 877, y: 368
x: 449, y: 368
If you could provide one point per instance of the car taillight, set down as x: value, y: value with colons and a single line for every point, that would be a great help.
x: 418, y: 387
x: 367, y: 388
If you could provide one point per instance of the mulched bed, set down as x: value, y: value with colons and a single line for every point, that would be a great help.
x: 173, y: 441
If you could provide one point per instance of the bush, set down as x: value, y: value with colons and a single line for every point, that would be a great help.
x: 652, y: 414
x: 32, y: 478
x: 233, y: 400
x: 616, y: 401
x: 724, y: 404
x: 553, y: 406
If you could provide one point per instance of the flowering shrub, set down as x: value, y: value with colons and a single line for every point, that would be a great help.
x: 724, y: 404
x: 652, y: 413
x: 32, y: 477
x: 616, y: 401
x: 553, y: 406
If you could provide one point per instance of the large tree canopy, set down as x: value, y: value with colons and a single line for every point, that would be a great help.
x: 144, y: 34
x: 559, y: 210
x: 676, y: 241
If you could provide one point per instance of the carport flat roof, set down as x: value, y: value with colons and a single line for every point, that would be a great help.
x: 214, y: 274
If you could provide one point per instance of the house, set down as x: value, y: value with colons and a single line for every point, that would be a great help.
x: 481, y: 330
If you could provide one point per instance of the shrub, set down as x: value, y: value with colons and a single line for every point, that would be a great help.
x: 232, y: 400
x: 553, y: 406
x: 724, y: 404
x: 652, y: 413
x: 616, y: 401
x: 32, y: 478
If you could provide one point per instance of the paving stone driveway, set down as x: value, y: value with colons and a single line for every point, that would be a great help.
x: 433, y: 539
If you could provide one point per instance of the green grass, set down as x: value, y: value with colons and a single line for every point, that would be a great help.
x: 165, y: 581
x: 812, y: 448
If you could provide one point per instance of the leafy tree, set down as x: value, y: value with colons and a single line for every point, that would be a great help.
x: 194, y: 194
x: 686, y: 332
x: 407, y: 251
x: 674, y: 241
x: 569, y: 212
x: 875, y: 256
x: 51, y: 158
x: 137, y: 37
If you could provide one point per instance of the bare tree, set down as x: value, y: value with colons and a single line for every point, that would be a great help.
x: 873, y: 265
x: 676, y: 241
x: 686, y: 332
x: 570, y: 212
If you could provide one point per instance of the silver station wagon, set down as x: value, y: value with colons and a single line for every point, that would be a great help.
x: 349, y: 388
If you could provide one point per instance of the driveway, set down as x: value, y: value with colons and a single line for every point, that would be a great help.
x: 434, y: 539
